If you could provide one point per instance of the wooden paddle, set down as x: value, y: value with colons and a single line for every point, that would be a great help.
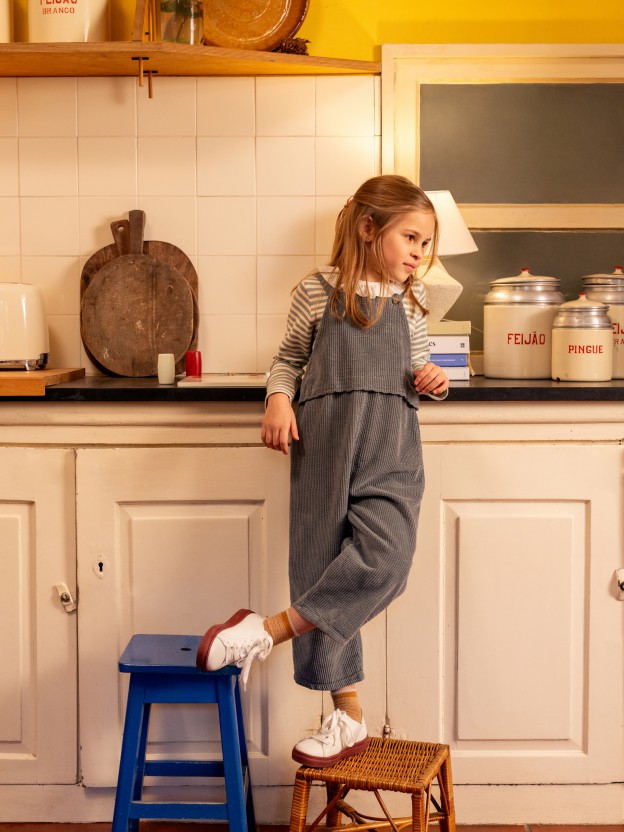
x: 135, y: 307
x: 167, y: 252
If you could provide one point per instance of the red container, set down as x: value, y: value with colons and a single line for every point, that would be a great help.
x: 193, y: 364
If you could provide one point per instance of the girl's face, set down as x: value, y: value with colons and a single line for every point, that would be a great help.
x: 404, y: 243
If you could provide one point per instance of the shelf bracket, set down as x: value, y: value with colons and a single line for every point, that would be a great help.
x: 143, y: 72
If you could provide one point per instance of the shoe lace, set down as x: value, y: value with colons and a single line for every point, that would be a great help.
x: 243, y: 653
x: 336, y: 722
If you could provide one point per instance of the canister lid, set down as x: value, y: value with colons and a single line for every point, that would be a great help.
x: 525, y: 288
x: 609, y: 287
x: 582, y: 313
x: 617, y: 275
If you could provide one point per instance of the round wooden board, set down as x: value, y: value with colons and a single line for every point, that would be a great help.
x: 252, y: 24
x: 134, y: 308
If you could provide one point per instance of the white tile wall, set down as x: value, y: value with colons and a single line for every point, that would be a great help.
x: 8, y: 107
x: 245, y: 175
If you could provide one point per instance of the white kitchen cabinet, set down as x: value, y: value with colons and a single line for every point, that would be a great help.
x: 508, y: 642
x: 38, y: 717
x: 172, y: 540
x: 517, y: 652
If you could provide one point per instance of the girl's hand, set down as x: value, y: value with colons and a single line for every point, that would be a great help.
x: 279, y: 422
x: 431, y: 379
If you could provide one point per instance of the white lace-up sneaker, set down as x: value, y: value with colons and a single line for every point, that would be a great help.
x: 339, y: 737
x: 239, y: 640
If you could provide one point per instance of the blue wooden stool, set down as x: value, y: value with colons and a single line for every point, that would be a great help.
x: 162, y: 670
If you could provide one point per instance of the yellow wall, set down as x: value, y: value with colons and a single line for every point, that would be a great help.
x: 356, y: 28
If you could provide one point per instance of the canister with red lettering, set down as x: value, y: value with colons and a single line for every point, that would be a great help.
x: 609, y: 288
x: 517, y: 326
x: 582, y: 341
x: 59, y: 21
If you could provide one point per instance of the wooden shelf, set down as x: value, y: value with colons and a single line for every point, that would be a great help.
x: 121, y: 58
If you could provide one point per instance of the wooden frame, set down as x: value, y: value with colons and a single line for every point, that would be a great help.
x: 406, y: 68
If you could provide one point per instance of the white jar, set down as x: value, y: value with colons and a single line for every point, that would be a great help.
x: 60, y: 21
x: 609, y: 288
x: 582, y: 343
x: 517, y: 326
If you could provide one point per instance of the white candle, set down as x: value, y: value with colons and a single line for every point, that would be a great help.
x: 166, y: 368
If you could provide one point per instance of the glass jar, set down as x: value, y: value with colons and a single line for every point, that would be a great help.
x: 182, y: 21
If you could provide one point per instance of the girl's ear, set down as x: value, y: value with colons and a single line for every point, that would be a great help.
x: 367, y: 229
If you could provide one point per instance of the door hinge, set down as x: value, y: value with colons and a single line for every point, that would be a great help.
x: 67, y: 599
x: 619, y: 584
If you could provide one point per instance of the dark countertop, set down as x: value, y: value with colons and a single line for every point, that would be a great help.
x: 479, y: 389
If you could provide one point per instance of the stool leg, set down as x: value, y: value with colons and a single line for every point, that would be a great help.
x: 249, y: 805
x: 134, y: 726
x: 445, y: 780
x: 299, y: 808
x: 334, y: 817
x: 140, y: 766
x: 418, y: 812
x: 230, y: 743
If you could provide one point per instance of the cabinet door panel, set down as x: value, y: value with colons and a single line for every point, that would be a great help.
x: 528, y: 633
x: 38, y: 686
x: 171, y: 541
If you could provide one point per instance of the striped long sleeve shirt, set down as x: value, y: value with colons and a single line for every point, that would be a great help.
x: 306, y: 311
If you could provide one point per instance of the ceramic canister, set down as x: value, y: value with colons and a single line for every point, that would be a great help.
x: 609, y: 288
x: 6, y: 21
x: 582, y: 343
x: 59, y: 21
x: 517, y: 326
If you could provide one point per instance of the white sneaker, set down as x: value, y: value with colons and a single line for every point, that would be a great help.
x: 239, y: 640
x: 340, y: 736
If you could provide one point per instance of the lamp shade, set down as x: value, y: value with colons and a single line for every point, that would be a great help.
x: 454, y: 235
x: 454, y: 238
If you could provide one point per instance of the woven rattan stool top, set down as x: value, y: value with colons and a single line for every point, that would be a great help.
x: 386, y: 765
x: 398, y: 765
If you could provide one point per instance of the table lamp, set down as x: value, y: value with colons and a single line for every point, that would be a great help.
x: 454, y: 238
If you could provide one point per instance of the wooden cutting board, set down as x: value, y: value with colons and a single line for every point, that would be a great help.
x: 34, y: 382
x: 135, y: 305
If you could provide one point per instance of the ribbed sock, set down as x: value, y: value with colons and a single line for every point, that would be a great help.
x: 348, y: 702
x: 279, y: 627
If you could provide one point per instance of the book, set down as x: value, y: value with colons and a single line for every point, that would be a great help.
x: 457, y: 373
x: 449, y: 343
x: 449, y: 327
x: 453, y: 359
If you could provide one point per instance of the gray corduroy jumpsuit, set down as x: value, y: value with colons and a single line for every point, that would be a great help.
x: 356, y: 486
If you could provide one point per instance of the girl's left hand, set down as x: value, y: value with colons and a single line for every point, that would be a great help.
x: 431, y: 379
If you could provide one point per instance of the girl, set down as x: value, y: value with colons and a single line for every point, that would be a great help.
x: 358, y: 329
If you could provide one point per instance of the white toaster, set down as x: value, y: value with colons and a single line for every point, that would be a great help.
x: 24, y: 342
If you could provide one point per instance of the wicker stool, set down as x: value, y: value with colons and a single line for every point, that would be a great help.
x: 391, y: 765
x: 162, y: 670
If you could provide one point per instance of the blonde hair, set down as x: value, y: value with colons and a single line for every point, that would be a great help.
x: 381, y: 200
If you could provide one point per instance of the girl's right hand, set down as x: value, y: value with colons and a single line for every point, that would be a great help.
x: 279, y: 423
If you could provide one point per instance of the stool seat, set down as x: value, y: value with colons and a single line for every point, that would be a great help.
x: 162, y: 670
x: 389, y: 765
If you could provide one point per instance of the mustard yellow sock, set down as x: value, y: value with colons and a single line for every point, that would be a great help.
x: 279, y: 627
x: 348, y: 702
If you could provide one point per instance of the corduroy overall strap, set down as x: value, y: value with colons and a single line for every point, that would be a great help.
x: 346, y: 357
